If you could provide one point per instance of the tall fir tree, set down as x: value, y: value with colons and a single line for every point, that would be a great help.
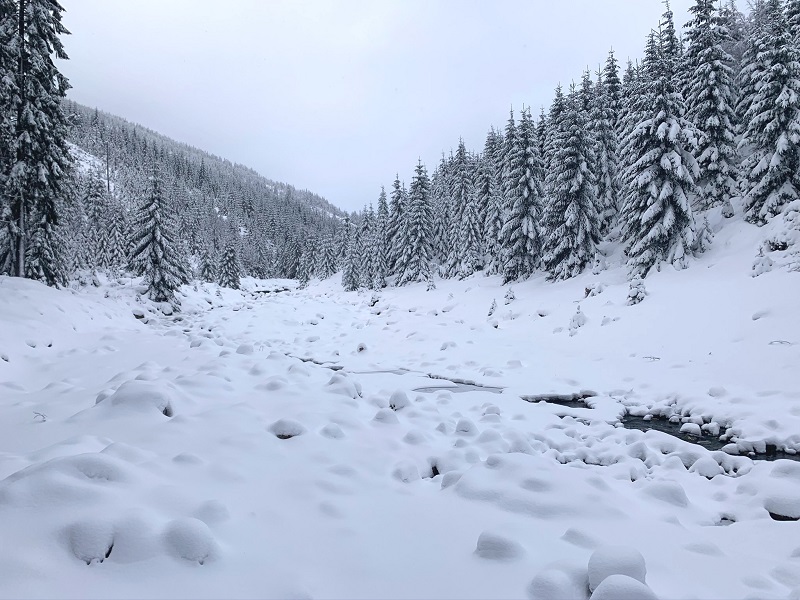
x: 521, y: 240
x: 612, y: 89
x: 553, y: 122
x: 305, y: 267
x: 229, y: 269
x: 415, y: 261
x: 351, y: 276
x: 397, y: 224
x: 208, y: 267
x: 659, y: 222
x: 35, y: 163
x: 365, y: 248
x: 772, y: 170
x: 602, y: 123
x: 710, y: 106
x: 440, y: 199
x: 156, y: 251
x: 327, y: 256
x: 571, y: 222
x: 117, y: 234
x: 753, y: 62
x: 470, y: 235
x: 381, y: 242
x: 492, y: 188
x: 96, y: 209
x: 460, y: 195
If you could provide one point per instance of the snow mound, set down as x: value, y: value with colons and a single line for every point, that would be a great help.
x: 559, y: 581
x: 398, y: 400
x: 190, y: 539
x: 332, y: 431
x: 64, y: 480
x: 141, y: 396
x: 615, y: 560
x: 493, y: 546
x: 286, y: 428
x: 340, y: 384
x: 622, y: 587
x: 91, y: 540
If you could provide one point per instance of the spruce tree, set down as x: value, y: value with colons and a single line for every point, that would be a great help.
x: 753, y: 62
x: 95, y: 204
x: 659, y: 223
x: 37, y: 159
x: 635, y: 95
x: 117, y: 243
x: 773, y: 125
x: 397, y: 225
x: 440, y: 199
x: 305, y: 266
x: 461, y: 192
x: 492, y: 188
x: 571, y: 223
x: 326, y: 257
x: 415, y: 261
x: 612, y: 89
x: 229, y: 270
x: 520, y: 237
x: 470, y: 236
x: 156, y: 250
x: 710, y: 99
x: 365, y: 248
x: 602, y: 123
x: 381, y: 242
x: 208, y: 268
x: 553, y: 121
x: 350, y: 274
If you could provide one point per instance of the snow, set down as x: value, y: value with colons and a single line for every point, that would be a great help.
x: 622, y: 587
x: 295, y: 445
x: 615, y: 560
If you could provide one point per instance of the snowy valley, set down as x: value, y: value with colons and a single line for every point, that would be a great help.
x: 566, y: 366
x: 284, y: 442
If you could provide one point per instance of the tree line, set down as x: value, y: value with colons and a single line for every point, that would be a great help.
x: 637, y: 157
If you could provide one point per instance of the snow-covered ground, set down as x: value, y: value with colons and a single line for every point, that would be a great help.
x: 202, y: 455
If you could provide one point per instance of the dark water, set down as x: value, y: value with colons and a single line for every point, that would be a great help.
x: 707, y: 441
x: 569, y: 400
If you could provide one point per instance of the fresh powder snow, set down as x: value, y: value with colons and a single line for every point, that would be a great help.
x: 283, y: 442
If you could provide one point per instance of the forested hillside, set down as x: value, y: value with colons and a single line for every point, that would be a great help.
x: 215, y: 204
x: 650, y: 160
x: 81, y: 189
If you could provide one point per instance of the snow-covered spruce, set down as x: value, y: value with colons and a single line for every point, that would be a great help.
x: 659, y: 224
x: 571, y: 222
x: 772, y: 134
x: 157, y: 253
x: 709, y: 94
x: 520, y: 237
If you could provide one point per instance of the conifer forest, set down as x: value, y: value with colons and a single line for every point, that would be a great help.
x: 634, y: 152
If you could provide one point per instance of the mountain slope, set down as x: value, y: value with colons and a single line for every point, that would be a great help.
x: 213, y: 199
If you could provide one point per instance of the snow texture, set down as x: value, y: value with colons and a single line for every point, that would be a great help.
x: 245, y: 447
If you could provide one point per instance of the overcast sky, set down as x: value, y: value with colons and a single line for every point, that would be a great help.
x: 337, y: 95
